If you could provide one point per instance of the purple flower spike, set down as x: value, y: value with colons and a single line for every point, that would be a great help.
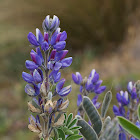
x: 60, y: 45
x: 65, y: 91
x: 39, y: 36
x: 31, y: 65
x: 27, y: 77
x: 79, y: 100
x: 66, y: 62
x: 32, y: 39
x: 77, y: 78
x: 37, y: 77
x: 59, y: 86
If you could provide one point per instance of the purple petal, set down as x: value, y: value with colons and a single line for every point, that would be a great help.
x: 64, y: 54
x: 130, y: 86
x: 63, y: 36
x: 60, y: 45
x: 47, y: 21
x: 39, y: 53
x: 46, y: 37
x: 79, y: 100
x: 52, y: 55
x: 36, y: 58
x: 81, y: 89
x: 27, y: 77
x: 37, y: 89
x: 119, y: 98
x: 32, y: 39
x: 66, y: 62
x: 37, y: 76
x: 59, y: 86
x: 95, y: 78
x: 77, y: 78
x: 31, y: 65
x: 100, y: 90
x: 39, y: 36
x: 116, y: 110
x: 122, y: 136
x: 45, y: 46
x: 98, y: 84
x: 55, y: 22
x: 134, y: 93
x: 65, y: 91
x: 29, y: 90
x: 57, y: 78
x: 57, y: 66
x: 58, y: 55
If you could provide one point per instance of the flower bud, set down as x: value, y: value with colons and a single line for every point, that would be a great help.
x: 49, y: 106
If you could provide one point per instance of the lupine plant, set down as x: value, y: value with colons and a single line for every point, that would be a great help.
x: 49, y: 101
x: 45, y: 86
x: 128, y: 102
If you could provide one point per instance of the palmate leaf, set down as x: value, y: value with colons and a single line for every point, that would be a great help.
x: 69, y: 130
x: 129, y: 127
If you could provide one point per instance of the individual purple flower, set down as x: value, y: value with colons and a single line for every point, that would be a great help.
x: 123, y: 98
x: 37, y: 60
x: 54, y: 76
x: 58, y: 40
x: 77, y: 78
x: 62, y: 91
x: 119, y: 111
x: 36, y: 40
x: 36, y: 77
x: 132, y: 90
x: 57, y: 61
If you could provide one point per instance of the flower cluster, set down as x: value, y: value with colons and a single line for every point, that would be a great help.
x: 128, y: 102
x: 92, y: 84
x: 47, y: 58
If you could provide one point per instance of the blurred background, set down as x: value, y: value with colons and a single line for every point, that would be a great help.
x: 102, y: 35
